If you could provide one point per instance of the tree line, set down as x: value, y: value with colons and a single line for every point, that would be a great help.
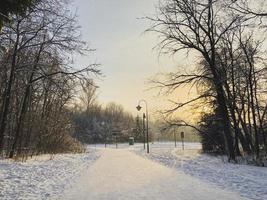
x: 227, y: 39
x: 95, y: 123
x: 38, y: 79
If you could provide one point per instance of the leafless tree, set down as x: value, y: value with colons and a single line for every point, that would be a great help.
x: 39, y: 79
x: 231, y: 70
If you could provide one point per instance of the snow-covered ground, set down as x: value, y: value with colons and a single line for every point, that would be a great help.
x: 120, y: 174
x: 42, y: 177
x: 128, y: 173
x: 248, y: 181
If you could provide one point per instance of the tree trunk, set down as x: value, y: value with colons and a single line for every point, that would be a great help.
x: 24, y: 105
x: 226, y: 122
x: 7, y: 94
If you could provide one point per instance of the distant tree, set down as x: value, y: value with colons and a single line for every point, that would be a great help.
x: 138, y: 129
x: 97, y: 123
x: 88, y: 94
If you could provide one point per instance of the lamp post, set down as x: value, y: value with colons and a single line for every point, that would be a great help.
x: 144, y: 136
x: 146, y: 115
x: 182, y: 137
x: 103, y: 125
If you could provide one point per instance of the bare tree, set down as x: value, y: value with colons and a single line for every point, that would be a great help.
x: 230, y: 75
x: 88, y: 96
x: 40, y: 78
x: 199, y: 26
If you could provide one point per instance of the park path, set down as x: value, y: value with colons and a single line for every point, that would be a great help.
x: 120, y: 174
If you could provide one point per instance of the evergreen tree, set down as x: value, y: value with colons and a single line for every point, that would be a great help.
x: 212, y: 141
x: 9, y: 7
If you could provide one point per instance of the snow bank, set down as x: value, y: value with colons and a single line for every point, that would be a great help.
x: 41, y: 177
x: 248, y: 181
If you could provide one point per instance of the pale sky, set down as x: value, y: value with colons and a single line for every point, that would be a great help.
x: 115, y: 30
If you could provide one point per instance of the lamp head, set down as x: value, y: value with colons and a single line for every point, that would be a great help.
x: 138, y: 107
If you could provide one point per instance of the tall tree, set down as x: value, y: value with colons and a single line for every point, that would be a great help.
x: 231, y: 71
x: 199, y: 26
x: 39, y: 78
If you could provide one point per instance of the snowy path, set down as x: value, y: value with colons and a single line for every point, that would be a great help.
x: 121, y: 174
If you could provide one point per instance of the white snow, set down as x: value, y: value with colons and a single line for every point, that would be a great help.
x: 42, y: 177
x: 128, y: 173
x: 248, y: 181
x: 120, y: 174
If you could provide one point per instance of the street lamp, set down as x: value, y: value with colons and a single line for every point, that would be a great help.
x: 143, y: 127
x: 182, y: 137
x: 139, y: 108
x: 103, y: 125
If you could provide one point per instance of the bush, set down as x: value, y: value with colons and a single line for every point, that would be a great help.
x: 212, y: 134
